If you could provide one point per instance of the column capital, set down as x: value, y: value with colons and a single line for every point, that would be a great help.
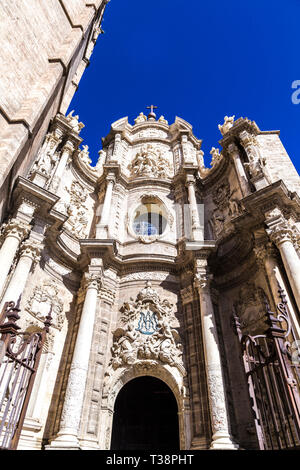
x: 92, y: 281
x: 202, y: 278
x: 31, y: 249
x: 111, y: 179
x: 248, y: 139
x: 190, y: 180
x: 264, y: 250
x: 232, y: 149
x: 281, y: 232
x: 15, y: 228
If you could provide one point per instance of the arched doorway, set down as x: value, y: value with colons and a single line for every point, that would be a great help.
x: 145, y: 416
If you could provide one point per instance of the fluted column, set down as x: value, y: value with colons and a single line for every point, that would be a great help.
x: 282, y: 234
x: 14, y: 232
x: 221, y: 438
x: 102, y: 228
x: 29, y: 254
x: 242, y: 177
x: 67, y: 437
x: 197, y: 230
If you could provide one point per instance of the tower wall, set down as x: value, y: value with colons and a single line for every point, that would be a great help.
x: 45, y: 49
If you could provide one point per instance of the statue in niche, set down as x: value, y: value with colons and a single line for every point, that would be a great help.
x: 251, y: 309
x: 227, y: 207
x: 77, y: 210
x: 47, y: 157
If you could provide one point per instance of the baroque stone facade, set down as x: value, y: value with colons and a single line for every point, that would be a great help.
x: 142, y: 259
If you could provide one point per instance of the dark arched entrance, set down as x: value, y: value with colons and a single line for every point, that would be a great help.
x: 145, y: 416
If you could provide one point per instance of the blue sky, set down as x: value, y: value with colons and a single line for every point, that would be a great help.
x: 196, y: 60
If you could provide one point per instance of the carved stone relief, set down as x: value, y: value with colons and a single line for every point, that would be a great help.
x: 145, y: 334
x: 227, y: 207
x: 149, y: 162
x: 77, y: 210
x: 46, y: 298
x: 251, y: 309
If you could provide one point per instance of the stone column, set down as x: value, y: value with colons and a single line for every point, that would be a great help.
x: 67, y: 437
x: 67, y: 151
x: 29, y: 254
x: 242, y: 177
x: 117, y: 148
x: 197, y: 230
x: 14, y: 232
x: 282, y: 234
x: 266, y: 257
x: 102, y: 230
x: 221, y: 438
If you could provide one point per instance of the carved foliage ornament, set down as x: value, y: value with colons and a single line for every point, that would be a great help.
x: 44, y: 298
x: 145, y: 334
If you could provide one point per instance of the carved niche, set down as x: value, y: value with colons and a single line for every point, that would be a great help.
x: 146, y: 335
x: 227, y: 207
x: 46, y: 298
x: 149, y: 162
x: 77, y: 210
x: 251, y: 309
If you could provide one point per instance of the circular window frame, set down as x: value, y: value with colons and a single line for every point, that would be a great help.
x: 144, y: 200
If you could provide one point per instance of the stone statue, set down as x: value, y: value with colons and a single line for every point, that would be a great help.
x: 74, y: 122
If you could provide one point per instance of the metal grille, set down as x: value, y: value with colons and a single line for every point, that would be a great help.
x: 19, y: 358
x: 273, y: 374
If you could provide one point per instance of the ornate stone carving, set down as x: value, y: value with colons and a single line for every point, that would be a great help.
x: 148, y: 276
x: 141, y: 118
x: 227, y: 207
x: 46, y: 298
x: 92, y: 281
x: 47, y: 157
x: 250, y: 308
x: 256, y: 164
x: 15, y: 228
x: 228, y: 123
x: 145, y: 334
x: 281, y: 232
x: 77, y: 210
x: 216, y: 156
x: 217, y: 405
x: 84, y: 158
x: 31, y: 249
x: 149, y: 162
x: 74, y: 122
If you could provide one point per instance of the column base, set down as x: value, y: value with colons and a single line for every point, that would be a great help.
x: 64, y: 442
x: 223, y: 441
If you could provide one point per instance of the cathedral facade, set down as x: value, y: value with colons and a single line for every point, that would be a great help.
x: 157, y: 276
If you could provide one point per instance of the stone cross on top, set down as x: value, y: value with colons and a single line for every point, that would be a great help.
x: 151, y: 115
